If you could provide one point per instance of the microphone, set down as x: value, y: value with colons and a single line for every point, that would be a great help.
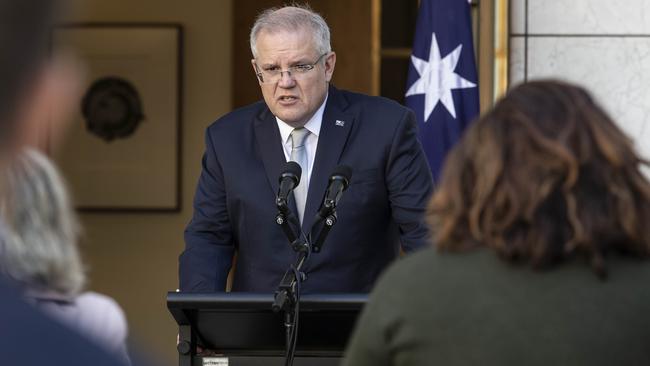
x: 338, y: 182
x: 289, y: 180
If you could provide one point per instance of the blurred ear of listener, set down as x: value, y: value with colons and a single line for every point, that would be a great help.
x: 541, y: 228
x: 39, y: 89
x: 39, y: 252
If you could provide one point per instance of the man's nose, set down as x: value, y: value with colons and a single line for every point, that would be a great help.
x: 286, y: 79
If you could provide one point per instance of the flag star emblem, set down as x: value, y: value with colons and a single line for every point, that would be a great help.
x: 339, y: 123
x: 438, y: 78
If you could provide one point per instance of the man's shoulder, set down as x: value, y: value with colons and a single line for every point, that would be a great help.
x: 372, y: 103
x: 381, y: 115
x: 240, y: 117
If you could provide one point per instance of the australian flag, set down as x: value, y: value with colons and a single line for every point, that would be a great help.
x: 442, y: 86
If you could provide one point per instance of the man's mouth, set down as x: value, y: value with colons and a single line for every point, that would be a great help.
x: 288, y: 98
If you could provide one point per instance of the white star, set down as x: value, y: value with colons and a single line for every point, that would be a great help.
x: 437, y: 79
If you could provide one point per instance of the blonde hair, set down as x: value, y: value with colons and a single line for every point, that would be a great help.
x: 38, y: 245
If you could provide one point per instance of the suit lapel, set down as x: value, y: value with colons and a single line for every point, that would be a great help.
x: 270, y: 149
x: 334, y: 132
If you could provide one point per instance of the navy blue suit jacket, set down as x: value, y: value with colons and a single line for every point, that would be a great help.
x: 234, y: 205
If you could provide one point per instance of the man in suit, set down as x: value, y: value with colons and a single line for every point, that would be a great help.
x: 303, y: 115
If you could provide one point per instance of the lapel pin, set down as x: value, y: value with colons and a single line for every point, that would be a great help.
x: 339, y: 123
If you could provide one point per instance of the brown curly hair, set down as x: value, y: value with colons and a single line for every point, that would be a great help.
x: 543, y: 177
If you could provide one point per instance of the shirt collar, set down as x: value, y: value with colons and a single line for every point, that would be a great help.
x: 313, y: 125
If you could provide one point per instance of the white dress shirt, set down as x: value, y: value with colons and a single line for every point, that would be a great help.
x: 311, y: 142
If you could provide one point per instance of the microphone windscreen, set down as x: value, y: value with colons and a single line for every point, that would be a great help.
x: 343, y: 171
x: 291, y: 168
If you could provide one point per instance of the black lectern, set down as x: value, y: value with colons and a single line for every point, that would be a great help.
x: 243, y: 330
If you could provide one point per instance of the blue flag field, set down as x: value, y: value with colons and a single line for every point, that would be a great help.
x: 442, y: 84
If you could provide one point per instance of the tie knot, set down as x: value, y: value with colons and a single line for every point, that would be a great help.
x: 298, y: 136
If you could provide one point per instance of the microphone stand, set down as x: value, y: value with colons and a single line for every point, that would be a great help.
x: 287, y: 299
x: 329, y: 218
x: 282, y: 219
x: 287, y: 296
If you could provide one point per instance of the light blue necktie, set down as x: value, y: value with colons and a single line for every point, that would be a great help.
x: 299, y: 155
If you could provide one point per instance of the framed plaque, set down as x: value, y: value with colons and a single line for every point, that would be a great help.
x: 123, y: 150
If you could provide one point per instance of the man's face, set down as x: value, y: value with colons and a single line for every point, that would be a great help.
x: 294, y: 98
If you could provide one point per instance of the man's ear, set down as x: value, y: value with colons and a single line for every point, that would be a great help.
x: 254, y: 65
x: 330, y: 62
x: 44, y: 114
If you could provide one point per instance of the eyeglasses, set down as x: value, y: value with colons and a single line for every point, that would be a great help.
x: 274, y: 74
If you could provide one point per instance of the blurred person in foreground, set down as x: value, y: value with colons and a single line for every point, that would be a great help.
x: 39, y: 252
x: 36, y: 94
x: 541, y: 229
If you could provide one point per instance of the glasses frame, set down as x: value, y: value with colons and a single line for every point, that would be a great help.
x: 292, y: 71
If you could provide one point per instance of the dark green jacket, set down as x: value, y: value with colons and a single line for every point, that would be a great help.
x: 475, y: 309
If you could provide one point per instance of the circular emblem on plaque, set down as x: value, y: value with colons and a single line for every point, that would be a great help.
x: 112, y: 109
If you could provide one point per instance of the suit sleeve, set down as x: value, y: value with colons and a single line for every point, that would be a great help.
x: 409, y: 184
x: 209, y: 248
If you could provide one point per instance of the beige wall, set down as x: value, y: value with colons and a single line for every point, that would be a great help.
x: 133, y: 257
x: 607, y: 52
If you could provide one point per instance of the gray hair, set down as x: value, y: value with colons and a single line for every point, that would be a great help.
x: 38, y: 245
x: 292, y: 18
